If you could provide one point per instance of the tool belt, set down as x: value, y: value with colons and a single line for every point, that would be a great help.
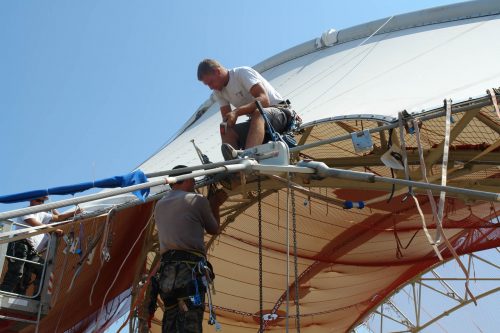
x: 188, y: 257
x: 293, y: 120
x: 172, y: 275
x: 195, y: 288
x: 182, y: 256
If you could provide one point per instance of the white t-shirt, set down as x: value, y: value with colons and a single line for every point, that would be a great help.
x: 237, y: 90
x: 38, y: 241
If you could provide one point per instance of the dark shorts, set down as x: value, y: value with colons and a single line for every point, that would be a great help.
x: 277, y: 118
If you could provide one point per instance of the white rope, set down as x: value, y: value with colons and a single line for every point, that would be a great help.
x: 434, y: 211
x: 121, y: 266
x: 494, y: 100
x: 444, y: 171
x: 104, y: 245
x: 407, y: 177
x: 426, y: 231
x: 423, y: 170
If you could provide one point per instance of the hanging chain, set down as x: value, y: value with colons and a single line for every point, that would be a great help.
x: 259, y: 199
x: 295, y: 261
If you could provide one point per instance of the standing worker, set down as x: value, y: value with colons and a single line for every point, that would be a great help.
x: 19, y: 273
x: 181, y: 218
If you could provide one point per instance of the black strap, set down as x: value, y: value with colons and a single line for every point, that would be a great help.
x: 180, y: 255
x: 286, y: 138
x: 269, y: 128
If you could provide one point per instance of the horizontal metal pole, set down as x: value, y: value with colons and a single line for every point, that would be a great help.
x: 489, y: 196
x: 22, y: 320
x: 338, y: 138
x: 322, y: 170
x: 21, y: 296
x: 13, y: 235
x: 174, y: 172
x: 25, y: 260
x: 271, y: 169
x: 240, y: 166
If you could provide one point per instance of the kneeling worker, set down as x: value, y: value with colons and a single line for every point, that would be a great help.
x: 241, y: 87
x: 181, y: 218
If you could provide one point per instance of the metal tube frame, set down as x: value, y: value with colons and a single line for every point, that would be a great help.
x: 304, y: 167
x: 436, y: 113
x: 416, y: 297
x: 242, y: 165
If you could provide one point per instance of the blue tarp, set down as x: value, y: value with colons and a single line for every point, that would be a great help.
x: 133, y: 178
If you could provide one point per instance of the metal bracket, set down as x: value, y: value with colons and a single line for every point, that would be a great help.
x: 362, y: 141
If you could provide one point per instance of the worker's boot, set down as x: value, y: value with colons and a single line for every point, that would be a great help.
x: 228, y: 152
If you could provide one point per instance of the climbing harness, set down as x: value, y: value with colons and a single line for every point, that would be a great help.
x: 205, y: 270
x: 294, y: 121
x: 202, y: 267
x: 193, y: 293
x: 293, y: 124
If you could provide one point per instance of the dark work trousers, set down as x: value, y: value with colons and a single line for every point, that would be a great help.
x: 176, y: 283
x: 19, y: 274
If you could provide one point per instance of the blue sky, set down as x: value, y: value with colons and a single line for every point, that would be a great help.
x: 91, y: 89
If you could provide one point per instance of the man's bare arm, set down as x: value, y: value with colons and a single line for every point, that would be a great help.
x: 33, y: 222
x: 260, y: 94
x: 224, y: 110
x: 65, y: 216
x: 216, y: 200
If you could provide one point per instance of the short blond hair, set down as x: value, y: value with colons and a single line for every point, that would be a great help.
x: 207, y: 66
